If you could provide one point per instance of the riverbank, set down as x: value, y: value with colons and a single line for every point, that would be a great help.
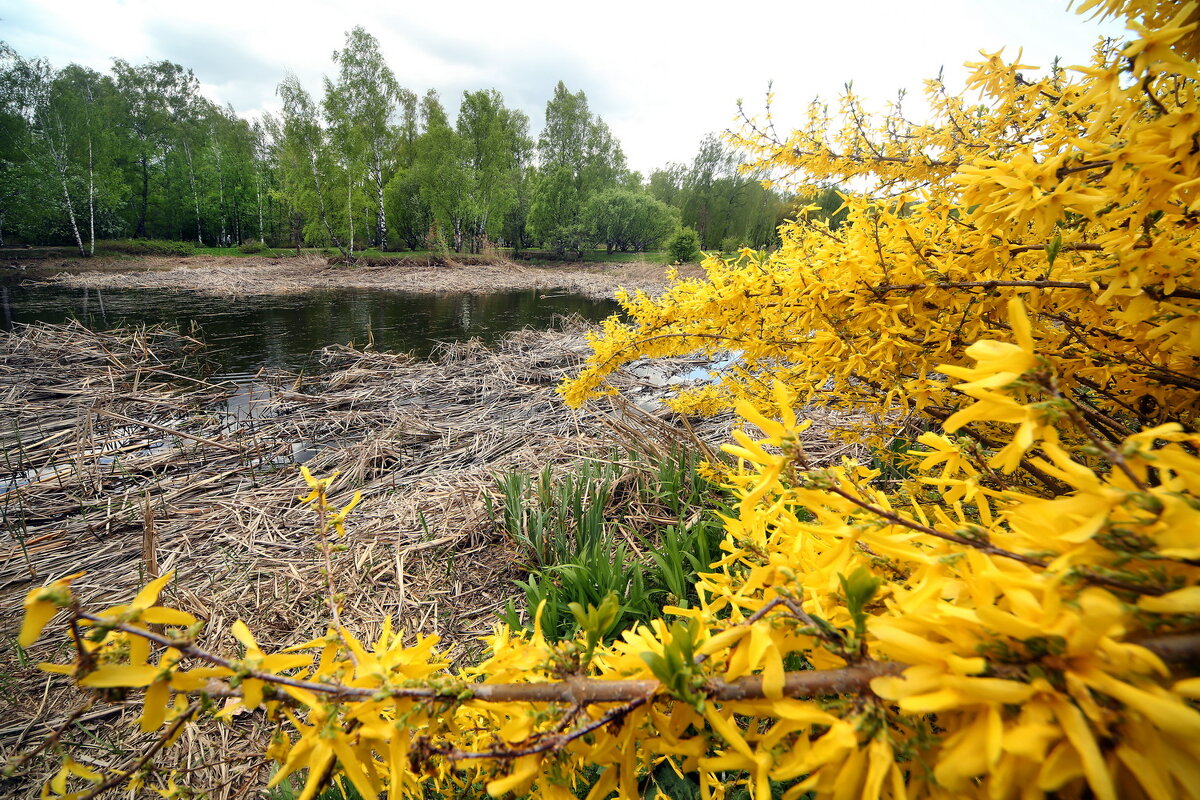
x: 245, y: 276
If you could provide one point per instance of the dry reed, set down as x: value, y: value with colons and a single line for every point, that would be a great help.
x: 241, y: 276
x: 118, y: 463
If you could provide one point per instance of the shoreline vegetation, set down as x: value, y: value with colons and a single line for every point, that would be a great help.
x: 417, y: 273
x: 118, y: 465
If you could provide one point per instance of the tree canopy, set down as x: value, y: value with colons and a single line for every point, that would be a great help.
x: 364, y: 162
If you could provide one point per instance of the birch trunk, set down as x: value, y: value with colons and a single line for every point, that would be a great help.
x: 221, y: 193
x: 58, y: 156
x: 91, y: 200
x: 350, y: 215
x: 380, y: 217
x: 312, y: 160
x: 187, y: 151
x: 258, y: 184
x: 62, y: 175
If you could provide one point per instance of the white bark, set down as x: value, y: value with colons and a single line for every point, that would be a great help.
x: 221, y: 190
x: 59, y: 156
x: 62, y: 174
x: 258, y: 184
x: 312, y: 160
x: 187, y: 151
x: 91, y: 201
x: 380, y: 217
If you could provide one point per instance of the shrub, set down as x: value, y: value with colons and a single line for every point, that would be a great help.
x: 684, y: 246
x: 252, y: 246
x: 146, y: 247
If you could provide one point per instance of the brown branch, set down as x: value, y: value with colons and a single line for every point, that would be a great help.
x: 191, y: 649
x: 1063, y: 172
x: 14, y: 766
x: 132, y: 767
x: 988, y: 547
x: 1157, y: 294
x: 1113, y: 455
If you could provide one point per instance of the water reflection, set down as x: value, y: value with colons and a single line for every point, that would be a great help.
x: 283, y: 331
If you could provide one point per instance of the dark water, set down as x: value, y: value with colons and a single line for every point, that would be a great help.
x: 283, y: 331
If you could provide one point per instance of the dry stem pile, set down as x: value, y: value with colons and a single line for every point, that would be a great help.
x: 118, y: 462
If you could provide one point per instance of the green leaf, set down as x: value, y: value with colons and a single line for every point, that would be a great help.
x: 859, y: 589
x: 1053, y: 249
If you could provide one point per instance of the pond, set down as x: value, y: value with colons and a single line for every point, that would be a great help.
x: 247, y: 333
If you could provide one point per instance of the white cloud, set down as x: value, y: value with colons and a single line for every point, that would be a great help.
x: 661, y: 74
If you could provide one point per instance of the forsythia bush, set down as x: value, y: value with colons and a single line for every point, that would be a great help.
x: 1019, y: 617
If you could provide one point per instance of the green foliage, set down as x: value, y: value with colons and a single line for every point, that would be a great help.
x: 364, y: 163
x: 595, y: 622
x: 684, y: 246
x: 408, y: 215
x: 625, y: 220
x: 555, y: 212
x: 252, y: 247
x: 724, y: 205
x: 495, y: 147
x: 827, y: 206
x: 145, y: 247
x: 676, y: 668
x: 859, y: 589
x: 359, y: 108
x: 573, y: 533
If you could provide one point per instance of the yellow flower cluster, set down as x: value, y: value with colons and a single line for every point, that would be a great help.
x: 1077, y: 192
x: 1018, y: 618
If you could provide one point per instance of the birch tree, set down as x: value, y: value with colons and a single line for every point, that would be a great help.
x: 305, y: 162
x: 54, y: 126
x: 154, y: 97
x: 577, y: 145
x: 362, y: 107
x: 441, y: 171
x: 494, y: 145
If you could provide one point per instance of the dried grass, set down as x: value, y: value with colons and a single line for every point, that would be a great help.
x: 118, y: 465
x: 235, y: 276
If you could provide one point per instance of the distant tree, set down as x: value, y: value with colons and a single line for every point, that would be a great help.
x: 154, y: 96
x: 306, y: 164
x: 666, y: 184
x: 575, y: 144
x: 57, y: 151
x: 409, y: 216
x: 494, y: 145
x: 827, y: 205
x: 514, y: 229
x: 441, y: 171
x: 57, y: 156
x: 627, y: 220
x: 361, y: 107
x: 231, y: 162
x: 555, y: 212
x: 718, y: 200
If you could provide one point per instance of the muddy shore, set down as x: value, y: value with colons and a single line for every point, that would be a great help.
x: 245, y: 276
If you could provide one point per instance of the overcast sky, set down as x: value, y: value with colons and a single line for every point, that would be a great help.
x: 661, y: 74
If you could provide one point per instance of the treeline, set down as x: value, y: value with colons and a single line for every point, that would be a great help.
x: 140, y: 153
